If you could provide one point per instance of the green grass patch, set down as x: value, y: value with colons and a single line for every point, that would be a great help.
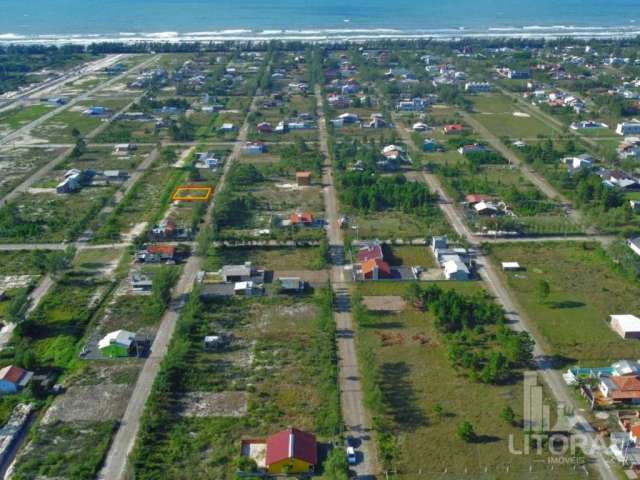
x: 66, y: 450
x: 585, y: 290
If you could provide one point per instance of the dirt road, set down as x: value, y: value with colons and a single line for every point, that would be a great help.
x: 115, y: 464
x: 42, y: 172
x: 515, y: 314
x: 356, y: 418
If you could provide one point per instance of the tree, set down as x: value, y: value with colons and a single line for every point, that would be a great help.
x: 466, y: 432
x: 336, y: 466
x: 323, y: 256
x: 169, y: 156
x: 507, y: 414
x: 162, y: 284
x: 79, y: 149
x: 438, y: 410
x: 543, y: 290
x: 15, y: 309
x: 413, y: 295
x: 496, y: 370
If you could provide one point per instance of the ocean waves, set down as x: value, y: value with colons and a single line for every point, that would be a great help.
x: 330, y: 34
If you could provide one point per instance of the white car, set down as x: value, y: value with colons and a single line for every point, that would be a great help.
x: 351, y: 456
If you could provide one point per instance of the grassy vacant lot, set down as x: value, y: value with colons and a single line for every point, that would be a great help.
x: 52, y: 332
x: 392, y: 224
x: 299, y: 258
x: 270, y: 369
x: 585, y: 290
x: 19, y: 263
x: 102, y: 158
x: 390, y: 287
x: 50, y: 217
x: 415, y: 376
x: 496, y: 112
x: 18, y: 163
x: 18, y: 117
x: 408, y: 255
x: 58, y: 451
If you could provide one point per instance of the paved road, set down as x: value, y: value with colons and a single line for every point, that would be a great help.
x: 115, y: 464
x: 356, y: 418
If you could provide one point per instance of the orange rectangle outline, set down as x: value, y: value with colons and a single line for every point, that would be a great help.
x: 206, y: 198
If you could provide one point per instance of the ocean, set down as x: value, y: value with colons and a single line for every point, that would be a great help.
x: 85, y: 21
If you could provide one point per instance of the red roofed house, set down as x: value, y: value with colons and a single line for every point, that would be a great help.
x: 298, y: 218
x: 621, y: 388
x: 473, y: 198
x: 375, y: 269
x: 291, y: 451
x: 453, y: 128
x: 370, y: 251
x: 13, y: 379
x: 157, y: 253
x: 634, y: 433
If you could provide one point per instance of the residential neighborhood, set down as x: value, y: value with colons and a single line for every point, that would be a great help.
x: 364, y: 259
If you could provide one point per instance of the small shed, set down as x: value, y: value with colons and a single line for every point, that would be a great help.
x: 215, y: 342
x: 303, y: 178
x: 511, y: 266
x: 627, y: 326
x: 291, y: 284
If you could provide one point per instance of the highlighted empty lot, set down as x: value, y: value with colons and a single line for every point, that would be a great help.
x: 192, y: 194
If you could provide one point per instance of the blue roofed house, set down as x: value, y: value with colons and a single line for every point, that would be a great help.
x: 429, y: 145
x: 13, y: 379
x: 95, y: 111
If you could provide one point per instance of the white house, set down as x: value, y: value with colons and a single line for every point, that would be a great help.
x: 627, y: 326
x: 477, y: 87
x: 485, y: 208
x: 246, y: 288
x: 454, y: 268
x: 579, y: 162
x: 628, y: 128
x: 254, y: 148
x: 116, y: 343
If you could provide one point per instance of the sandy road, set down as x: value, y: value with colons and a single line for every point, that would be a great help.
x: 115, y: 465
x: 17, y: 98
x: 84, y: 96
x: 356, y: 419
x: 42, y: 172
x: 516, y: 316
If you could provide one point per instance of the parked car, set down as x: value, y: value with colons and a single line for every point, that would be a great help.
x: 351, y: 455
